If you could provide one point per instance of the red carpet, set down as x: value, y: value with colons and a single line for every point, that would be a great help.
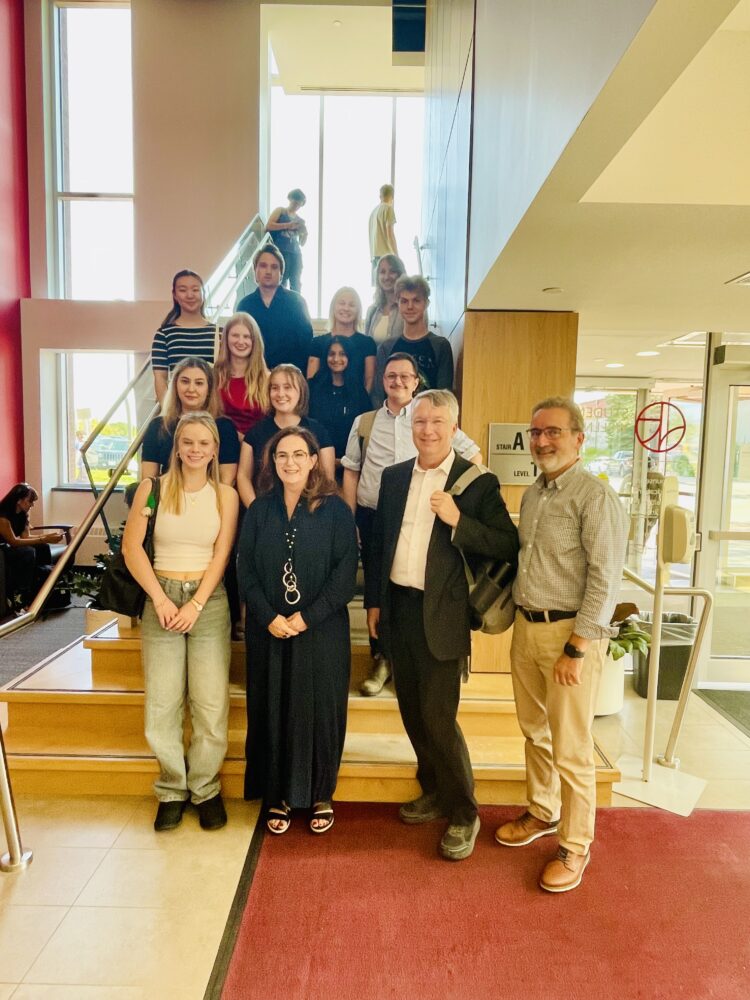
x: 371, y: 911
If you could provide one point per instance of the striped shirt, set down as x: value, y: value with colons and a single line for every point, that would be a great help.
x: 573, y: 533
x: 173, y: 344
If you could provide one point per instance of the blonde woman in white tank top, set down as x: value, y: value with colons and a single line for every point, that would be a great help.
x: 185, y: 630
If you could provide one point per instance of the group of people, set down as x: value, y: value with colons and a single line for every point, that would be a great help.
x: 364, y: 458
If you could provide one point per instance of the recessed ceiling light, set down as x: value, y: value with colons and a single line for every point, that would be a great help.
x: 553, y: 290
x: 615, y: 364
x: 647, y: 354
x: 337, y: 24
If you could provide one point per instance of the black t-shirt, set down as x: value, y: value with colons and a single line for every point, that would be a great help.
x: 157, y: 444
x: 259, y: 436
x: 424, y: 355
x: 358, y: 347
x: 336, y: 408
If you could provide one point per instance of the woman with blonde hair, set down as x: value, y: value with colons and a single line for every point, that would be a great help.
x: 297, y: 567
x: 241, y: 373
x: 345, y: 320
x: 383, y: 320
x: 185, y: 628
x: 290, y: 398
x: 192, y: 389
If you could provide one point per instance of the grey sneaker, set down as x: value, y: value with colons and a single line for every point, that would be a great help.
x: 379, y: 676
x: 421, y: 810
x: 458, y: 841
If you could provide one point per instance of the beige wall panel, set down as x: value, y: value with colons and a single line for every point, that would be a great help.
x: 195, y: 123
x: 510, y: 361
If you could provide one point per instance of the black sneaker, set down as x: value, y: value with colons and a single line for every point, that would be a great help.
x: 169, y: 815
x: 211, y: 814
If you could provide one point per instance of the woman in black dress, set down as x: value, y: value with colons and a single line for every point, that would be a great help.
x: 297, y: 567
x: 337, y: 396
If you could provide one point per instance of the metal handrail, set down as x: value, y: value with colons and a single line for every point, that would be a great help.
x: 239, y: 278
x: 217, y: 279
x: 667, y: 759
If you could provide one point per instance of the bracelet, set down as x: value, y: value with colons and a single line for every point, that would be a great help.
x: 198, y: 604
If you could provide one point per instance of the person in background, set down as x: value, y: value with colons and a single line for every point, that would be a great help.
x: 192, y: 389
x: 345, y: 317
x: 337, y: 396
x: 382, y: 221
x: 417, y: 601
x: 432, y: 353
x: 290, y: 398
x: 185, y: 331
x: 289, y: 233
x: 297, y: 567
x: 29, y: 557
x: 573, y: 532
x: 383, y: 320
x: 185, y: 627
x: 241, y: 373
x: 281, y: 314
x: 379, y: 439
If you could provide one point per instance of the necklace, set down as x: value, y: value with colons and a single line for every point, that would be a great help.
x: 288, y: 577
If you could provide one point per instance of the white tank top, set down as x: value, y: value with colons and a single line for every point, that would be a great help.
x: 186, y: 541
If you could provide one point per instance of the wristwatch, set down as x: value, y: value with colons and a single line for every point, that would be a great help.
x: 573, y: 651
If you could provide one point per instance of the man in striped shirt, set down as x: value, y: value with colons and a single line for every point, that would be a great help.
x: 573, y: 531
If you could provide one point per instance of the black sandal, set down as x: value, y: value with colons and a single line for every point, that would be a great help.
x: 279, y: 814
x: 322, y: 811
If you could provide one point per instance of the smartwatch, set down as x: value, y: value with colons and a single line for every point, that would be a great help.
x: 573, y: 651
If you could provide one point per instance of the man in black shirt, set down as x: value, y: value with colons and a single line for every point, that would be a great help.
x: 281, y: 314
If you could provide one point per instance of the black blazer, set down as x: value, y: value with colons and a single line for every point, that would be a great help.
x: 484, y: 529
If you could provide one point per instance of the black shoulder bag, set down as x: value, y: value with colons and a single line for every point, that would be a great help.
x: 119, y: 590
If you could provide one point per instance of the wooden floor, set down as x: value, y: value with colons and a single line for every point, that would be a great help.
x: 75, y: 726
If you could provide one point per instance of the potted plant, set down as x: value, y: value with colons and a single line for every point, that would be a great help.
x: 630, y: 636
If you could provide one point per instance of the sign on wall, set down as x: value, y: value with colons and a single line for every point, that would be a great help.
x: 510, y: 456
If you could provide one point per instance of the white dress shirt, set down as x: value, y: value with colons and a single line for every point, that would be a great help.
x: 410, y: 558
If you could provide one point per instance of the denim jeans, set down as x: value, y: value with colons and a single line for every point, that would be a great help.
x: 196, y: 665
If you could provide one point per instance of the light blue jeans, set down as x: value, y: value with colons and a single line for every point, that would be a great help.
x: 193, y: 665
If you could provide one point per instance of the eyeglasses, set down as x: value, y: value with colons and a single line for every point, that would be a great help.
x: 393, y: 379
x: 552, y: 433
x: 296, y: 456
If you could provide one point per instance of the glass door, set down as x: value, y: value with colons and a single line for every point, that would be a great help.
x: 723, y: 564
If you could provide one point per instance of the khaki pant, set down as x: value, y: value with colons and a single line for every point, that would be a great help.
x: 556, y: 721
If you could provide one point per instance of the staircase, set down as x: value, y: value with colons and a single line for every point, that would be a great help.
x: 75, y: 726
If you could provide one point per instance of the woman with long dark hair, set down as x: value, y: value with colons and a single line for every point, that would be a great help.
x: 184, y: 332
x: 29, y: 557
x: 185, y: 628
x: 297, y: 566
x: 337, y: 395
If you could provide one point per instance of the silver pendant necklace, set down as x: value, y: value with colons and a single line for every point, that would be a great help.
x: 289, y: 577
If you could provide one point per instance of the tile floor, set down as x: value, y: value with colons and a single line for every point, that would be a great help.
x: 109, y: 910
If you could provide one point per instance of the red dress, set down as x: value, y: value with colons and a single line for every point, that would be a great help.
x: 243, y: 415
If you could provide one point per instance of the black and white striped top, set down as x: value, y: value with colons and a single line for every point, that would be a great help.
x: 174, y: 343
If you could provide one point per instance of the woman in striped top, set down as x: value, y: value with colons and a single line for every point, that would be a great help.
x: 185, y: 331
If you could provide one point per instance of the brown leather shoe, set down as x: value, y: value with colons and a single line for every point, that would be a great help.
x: 524, y: 830
x: 565, y: 872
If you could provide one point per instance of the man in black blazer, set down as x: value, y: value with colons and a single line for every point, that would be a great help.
x: 417, y: 601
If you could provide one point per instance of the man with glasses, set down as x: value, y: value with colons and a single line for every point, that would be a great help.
x: 379, y: 439
x: 573, y: 532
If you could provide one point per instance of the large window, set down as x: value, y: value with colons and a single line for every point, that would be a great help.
x: 93, y: 151
x: 340, y: 149
x: 90, y: 382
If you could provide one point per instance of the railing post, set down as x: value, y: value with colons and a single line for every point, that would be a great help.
x: 16, y: 859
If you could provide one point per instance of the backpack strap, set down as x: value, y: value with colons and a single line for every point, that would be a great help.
x: 364, y: 429
x: 467, y: 478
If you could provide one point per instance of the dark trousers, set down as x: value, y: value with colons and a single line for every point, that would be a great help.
x: 292, y: 271
x: 365, y: 519
x: 428, y: 692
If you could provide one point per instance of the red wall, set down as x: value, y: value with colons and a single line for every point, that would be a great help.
x: 14, y: 238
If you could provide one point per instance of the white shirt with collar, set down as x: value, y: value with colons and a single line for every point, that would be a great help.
x: 390, y: 442
x: 410, y: 558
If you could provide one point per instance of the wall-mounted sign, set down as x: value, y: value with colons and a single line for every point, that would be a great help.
x: 660, y: 426
x: 510, y: 457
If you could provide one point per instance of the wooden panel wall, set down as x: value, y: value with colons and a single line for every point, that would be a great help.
x: 511, y: 360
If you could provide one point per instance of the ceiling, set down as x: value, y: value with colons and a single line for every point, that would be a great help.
x: 643, y: 232
x: 341, y: 47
